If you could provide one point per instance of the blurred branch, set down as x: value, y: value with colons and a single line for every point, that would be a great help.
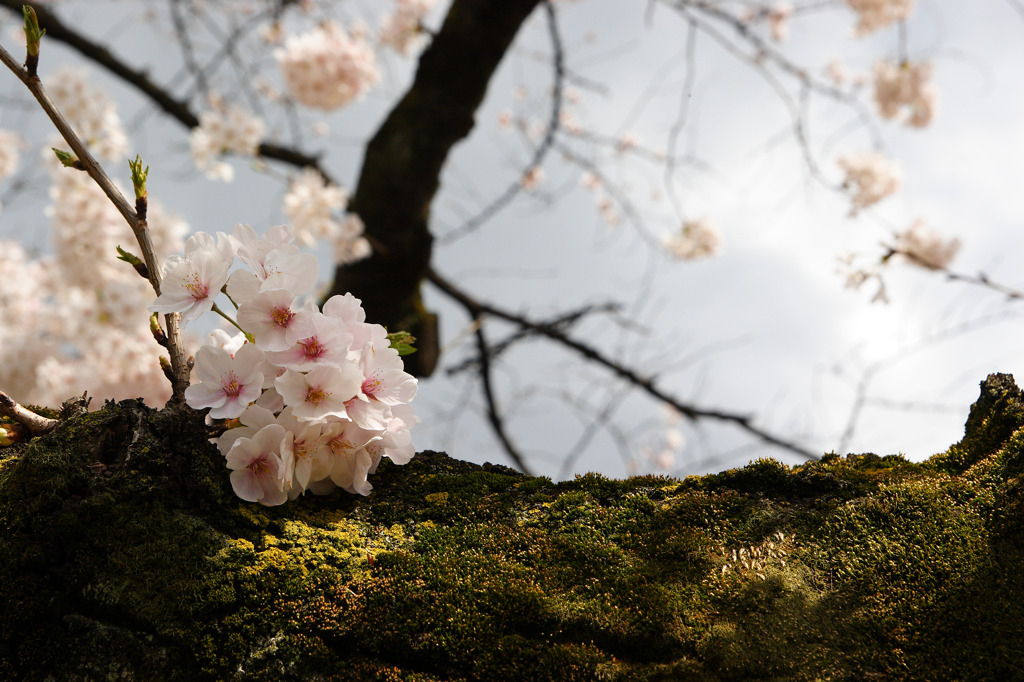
x: 35, y: 423
x: 477, y: 308
x: 562, y: 323
x: 139, y: 79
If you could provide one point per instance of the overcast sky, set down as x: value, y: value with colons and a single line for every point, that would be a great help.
x: 767, y: 327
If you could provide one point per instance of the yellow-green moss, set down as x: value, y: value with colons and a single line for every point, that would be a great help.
x: 123, y: 565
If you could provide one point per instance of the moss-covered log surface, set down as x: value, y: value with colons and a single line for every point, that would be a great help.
x: 125, y: 555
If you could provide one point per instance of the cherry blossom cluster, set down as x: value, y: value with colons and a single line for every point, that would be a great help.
x: 697, y: 239
x: 922, y: 246
x: 328, y: 67
x: 905, y: 87
x: 871, y: 176
x: 402, y: 29
x: 320, y: 394
x: 873, y: 15
x: 224, y: 129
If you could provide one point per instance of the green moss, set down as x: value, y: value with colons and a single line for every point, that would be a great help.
x: 124, y: 555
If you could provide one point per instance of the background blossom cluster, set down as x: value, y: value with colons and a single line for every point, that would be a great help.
x: 401, y: 30
x: 320, y: 395
x: 328, y: 67
x: 905, y: 87
x: 871, y: 177
x: 224, y: 128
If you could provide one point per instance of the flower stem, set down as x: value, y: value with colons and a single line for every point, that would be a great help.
x: 220, y: 312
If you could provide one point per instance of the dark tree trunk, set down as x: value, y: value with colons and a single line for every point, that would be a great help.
x: 402, y: 167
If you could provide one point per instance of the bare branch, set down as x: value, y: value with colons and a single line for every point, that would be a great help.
x: 493, y: 414
x: 645, y: 384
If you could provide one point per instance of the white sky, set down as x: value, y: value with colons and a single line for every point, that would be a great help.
x: 769, y: 319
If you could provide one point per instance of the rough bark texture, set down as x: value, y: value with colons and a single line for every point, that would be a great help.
x: 402, y: 165
x: 124, y: 555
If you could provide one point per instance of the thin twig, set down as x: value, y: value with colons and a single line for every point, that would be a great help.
x: 493, y: 414
x: 176, y: 346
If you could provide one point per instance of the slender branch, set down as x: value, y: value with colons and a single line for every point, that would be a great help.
x: 645, y: 384
x: 176, y: 346
x: 493, y: 415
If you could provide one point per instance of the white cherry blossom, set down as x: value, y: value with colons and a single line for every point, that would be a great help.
x: 191, y: 283
x: 227, y: 384
x: 871, y: 176
x: 272, y: 318
x: 328, y: 67
x: 321, y: 392
x: 328, y: 343
x: 697, y: 239
x: 256, y: 466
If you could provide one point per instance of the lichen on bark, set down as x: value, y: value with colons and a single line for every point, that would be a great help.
x: 125, y: 555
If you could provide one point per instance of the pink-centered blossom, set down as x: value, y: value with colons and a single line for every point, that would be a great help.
x: 349, y: 310
x: 350, y: 461
x: 274, y: 320
x: 304, y: 453
x: 256, y: 466
x: 321, y: 392
x: 385, y: 384
x: 285, y: 267
x: 192, y: 282
x: 327, y: 343
x: 396, y: 441
x: 254, y: 418
x: 227, y: 384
